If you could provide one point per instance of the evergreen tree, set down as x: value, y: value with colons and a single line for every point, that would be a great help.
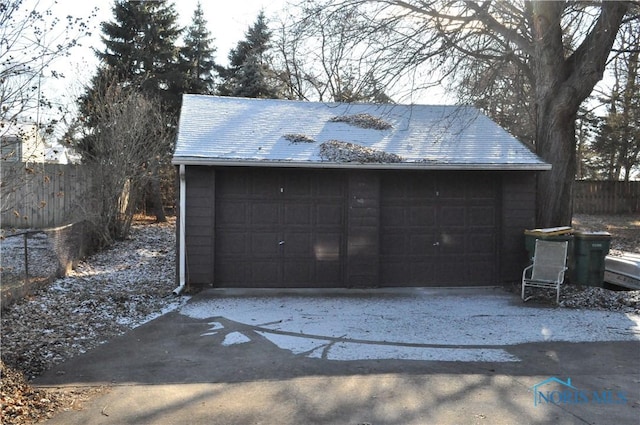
x: 140, y: 56
x: 249, y: 74
x: 197, y: 56
x: 140, y: 47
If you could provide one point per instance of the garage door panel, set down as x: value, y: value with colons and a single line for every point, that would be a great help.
x: 452, y: 241
x: 422, y: 216
x: 452, y: 216
x: 263, y: 272
x: 298, y: 214
x: 264, y: 244
x: 418, y: 272
x: 424, y: 191
x: 421, y: 244
x: 329, y: 214
x: 452, y: 188
x: 292, y: 220
x: 452, y: 271
x: 298, y: 188
x: 298, y: 244
x: 435, y: 229
x: 296, y: 272
x: 328, y: 273
x: 408, y: 245
x: 327, y: 246
x: 264, y: 214
x: 265, y: 184
x: 456, y: 212
x: 232, y: 213
x: 401, y: 273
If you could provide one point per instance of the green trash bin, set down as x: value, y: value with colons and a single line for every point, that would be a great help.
x: 559, y: 234
x: 591, y: 248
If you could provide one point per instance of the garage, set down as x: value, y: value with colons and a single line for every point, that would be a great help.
x: 349, y: 195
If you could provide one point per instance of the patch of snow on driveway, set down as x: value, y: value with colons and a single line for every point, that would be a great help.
x: 235, y: 338
x: 421, y: 326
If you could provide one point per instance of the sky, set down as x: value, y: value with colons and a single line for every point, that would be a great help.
x: 227, y: 21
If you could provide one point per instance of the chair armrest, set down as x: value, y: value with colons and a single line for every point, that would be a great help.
x: 561, y: 274
x: 524, y: 272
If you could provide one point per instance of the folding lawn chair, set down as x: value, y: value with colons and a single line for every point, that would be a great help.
x: 547, y: 270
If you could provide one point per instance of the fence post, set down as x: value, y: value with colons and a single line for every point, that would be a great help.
x: 26, y: 260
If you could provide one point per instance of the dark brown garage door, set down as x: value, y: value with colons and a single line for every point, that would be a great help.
x: 279, y: 228
x: 438, y: 229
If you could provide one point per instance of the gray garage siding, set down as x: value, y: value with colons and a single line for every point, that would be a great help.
x: 518, y: 205
x: 200, y: 222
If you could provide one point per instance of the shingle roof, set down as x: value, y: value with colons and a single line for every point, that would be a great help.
x: 237, y: 131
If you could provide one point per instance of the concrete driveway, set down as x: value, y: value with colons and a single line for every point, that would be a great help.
x: 404, y: 356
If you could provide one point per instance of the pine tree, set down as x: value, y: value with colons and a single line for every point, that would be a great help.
x: 140, y: 47
x: 196, y: 56
x: 140, y: 56
x: 249, y: 74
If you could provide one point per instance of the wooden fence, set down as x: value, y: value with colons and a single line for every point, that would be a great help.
x: 42, y: 195
x: 606, y: 197
x: 50, y: 195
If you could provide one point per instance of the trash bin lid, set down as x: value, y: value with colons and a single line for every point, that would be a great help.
x: 549, y: 231
x: 592, y: 235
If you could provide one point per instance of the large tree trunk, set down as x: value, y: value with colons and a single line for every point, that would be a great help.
x: 556, y: 145
x: 561, y: 85
x: 156, y: 200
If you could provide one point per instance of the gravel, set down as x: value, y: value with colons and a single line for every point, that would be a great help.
x: 131, y: 283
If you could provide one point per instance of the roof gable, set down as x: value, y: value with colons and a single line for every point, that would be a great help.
x: 237, y: 131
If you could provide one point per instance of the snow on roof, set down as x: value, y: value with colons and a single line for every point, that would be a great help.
x: 237, y: 131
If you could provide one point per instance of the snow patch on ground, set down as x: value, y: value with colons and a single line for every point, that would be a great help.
x: 426, y: 325
x: 235, y: 338
x: 107, y: 294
